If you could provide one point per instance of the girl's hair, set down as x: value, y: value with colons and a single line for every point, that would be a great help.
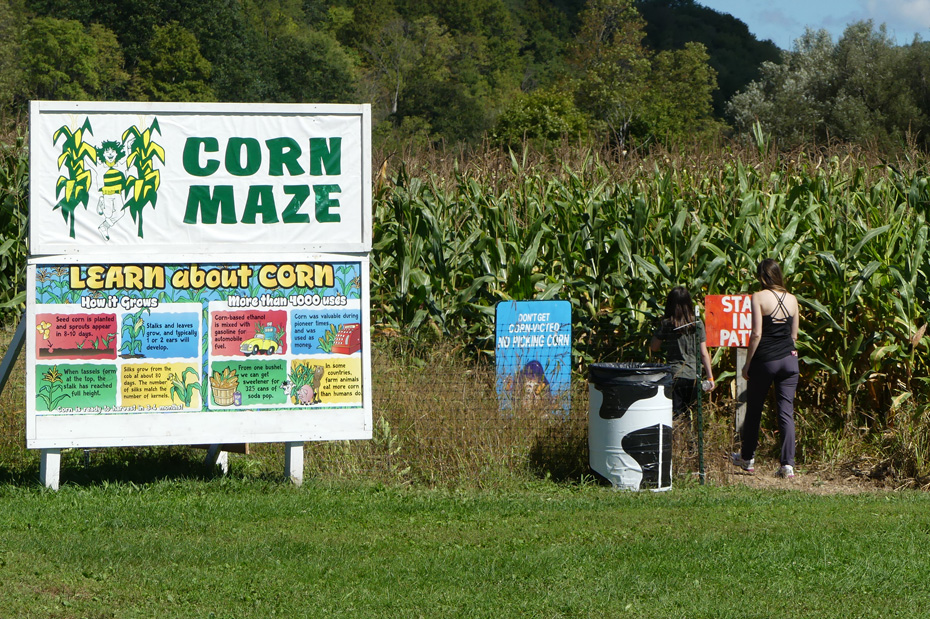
x: 679, y: 310
x: 769, y: 274
x: 117, y: 148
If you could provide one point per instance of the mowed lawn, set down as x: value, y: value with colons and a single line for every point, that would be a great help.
x: 245, y: 548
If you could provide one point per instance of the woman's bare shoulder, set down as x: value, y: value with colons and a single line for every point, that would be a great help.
x: 763, y: 298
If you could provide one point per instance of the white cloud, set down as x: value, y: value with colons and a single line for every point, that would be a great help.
x: 905, y: 10
x: 903, y: 17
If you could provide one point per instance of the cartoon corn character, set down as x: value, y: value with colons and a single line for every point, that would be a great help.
x: 112, y: 184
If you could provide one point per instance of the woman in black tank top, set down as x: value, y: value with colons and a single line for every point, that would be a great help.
x: 771, y: 359
x: 776, y: 341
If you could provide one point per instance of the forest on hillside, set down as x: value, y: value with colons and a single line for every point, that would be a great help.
x: 623, y: 73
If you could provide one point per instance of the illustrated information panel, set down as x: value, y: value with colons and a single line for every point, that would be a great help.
x: 177, y: 353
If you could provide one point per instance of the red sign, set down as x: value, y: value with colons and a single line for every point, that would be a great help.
x: 728, y: 319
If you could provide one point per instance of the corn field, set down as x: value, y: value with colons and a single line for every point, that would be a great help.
x: 455, y: 234
x: 613, y: 237
x: 14, y: 218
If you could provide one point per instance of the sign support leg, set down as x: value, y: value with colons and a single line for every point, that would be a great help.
x: 294, y: 462
x: 741, y: 385
x: 50, y: 468
x: 217, y: 457
x: 16, y: 345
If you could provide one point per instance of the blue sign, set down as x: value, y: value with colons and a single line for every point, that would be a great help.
x: 171, y: 335
x: 534, y: 354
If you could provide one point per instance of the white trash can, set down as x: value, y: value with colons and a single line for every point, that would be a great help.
x: 630, y: 424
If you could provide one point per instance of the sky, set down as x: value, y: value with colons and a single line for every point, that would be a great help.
x: 783, y: 21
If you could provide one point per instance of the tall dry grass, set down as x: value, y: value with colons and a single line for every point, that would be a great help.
x: 437, y: 422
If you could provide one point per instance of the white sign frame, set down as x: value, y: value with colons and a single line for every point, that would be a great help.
x: 340, y: 211
x: 47, y: 431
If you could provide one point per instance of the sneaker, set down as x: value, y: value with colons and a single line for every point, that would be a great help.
x: 746, y: 465
x: 786, y: 471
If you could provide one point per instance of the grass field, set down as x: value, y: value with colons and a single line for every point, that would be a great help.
x: 232, y: 548
x: 451, y: 510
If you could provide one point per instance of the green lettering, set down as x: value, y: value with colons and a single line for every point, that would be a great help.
x: 324, y: 203
x: 199, y: 199
x: 292, y: 214
x: 323, y: 156
x: 191, y: 156
x: 253, y: 156
x: 283, y: 153
x: 260, y: 202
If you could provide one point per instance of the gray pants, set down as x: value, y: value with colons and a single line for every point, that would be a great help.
x: 784, y: 373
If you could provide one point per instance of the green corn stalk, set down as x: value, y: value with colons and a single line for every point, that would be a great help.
x: 181, y: 388
x: 14, y: 221
x: 448, y: 249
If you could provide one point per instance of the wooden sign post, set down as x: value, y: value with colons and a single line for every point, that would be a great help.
x: 729, y: 323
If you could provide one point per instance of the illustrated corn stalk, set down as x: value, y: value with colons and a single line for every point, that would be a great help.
x: 301, y: 374
x: 73, y: 190
x: 348, y: 283
x: 328, y: 339
x: 133, y: 330
x: 50, y: 391
x: 181, y: 388
x: 142, y: 186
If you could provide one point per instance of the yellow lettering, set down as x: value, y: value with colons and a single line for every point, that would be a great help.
x: 296, y: 276
x: 114, y: 278
x: 94, y: 277
x: 181, y: 279
x: 266, y: 276
x: 75, y: 276
x: 324, y: 276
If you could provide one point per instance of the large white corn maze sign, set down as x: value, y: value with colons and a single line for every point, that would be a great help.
x: 198, y: 275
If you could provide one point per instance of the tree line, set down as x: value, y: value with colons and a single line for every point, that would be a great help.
x: 626, y: 73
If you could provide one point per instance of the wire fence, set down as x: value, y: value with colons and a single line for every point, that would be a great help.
x: 437, y: 420
x: 440, y: 421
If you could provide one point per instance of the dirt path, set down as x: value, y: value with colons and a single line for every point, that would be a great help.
x: 813, y: 479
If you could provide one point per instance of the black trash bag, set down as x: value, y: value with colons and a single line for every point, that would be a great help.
x: 643, y: 446
x: 624, y: 384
